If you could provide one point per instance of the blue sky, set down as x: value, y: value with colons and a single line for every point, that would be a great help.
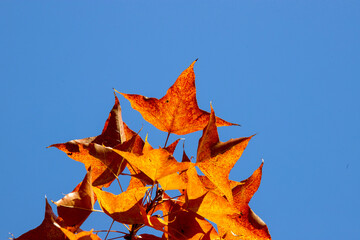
x: 286, y: 70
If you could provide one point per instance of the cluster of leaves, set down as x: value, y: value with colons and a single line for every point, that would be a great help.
x: 204, y: 201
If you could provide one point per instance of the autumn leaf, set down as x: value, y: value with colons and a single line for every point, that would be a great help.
x: 216, y: 159
x: 246, y: 225
x: 172, y: 182
x: 76, y: 206
x: 84, y: 235
x: 186, y: 225
x: 146, y: 236
x: 93, y: 153
x: 105, y: 164
x: 115, y: 131
x: 155, y: 163
x: 125, y: 207
x: 177, y: 112
x: 171, y: 147
x: 203, y: 202
x: 140, y: 179
x: 49, y: 229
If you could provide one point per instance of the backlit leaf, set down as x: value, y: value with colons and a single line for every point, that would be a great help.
x: 216, y: 159
x: 156, y: 163
x: 125, y: 207
x: 177, y: 112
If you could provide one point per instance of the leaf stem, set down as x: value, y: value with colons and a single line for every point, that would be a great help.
x: 167, y: 138
x: 119, y: 184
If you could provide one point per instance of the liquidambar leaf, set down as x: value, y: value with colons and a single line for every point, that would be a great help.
x: 246, y: 225
x: 177, y: 112
x: 186, y: 225
x: 216, y: 159
x: 206, y: 203
x: 81, y: 235
x: 105, y: 164
x: 155, y: 163
x: 49, y: 229
x: 92, y: 152
x: 76, y: 206
x: 125, y: 207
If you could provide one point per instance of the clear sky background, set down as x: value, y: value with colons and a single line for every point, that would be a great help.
x: 286, y: 70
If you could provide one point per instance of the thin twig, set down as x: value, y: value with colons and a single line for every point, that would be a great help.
x: 109, y: 230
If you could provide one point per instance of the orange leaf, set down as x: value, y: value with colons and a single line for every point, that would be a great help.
x: 177, y: 112
x: 171, y: 147
x: 49, y: 229
x: 76, y: 206
x: 172, y: 182
x: 204, y: 202
x: 114, y: 132
x: 81, y: 235
x: 246, y: 225
x: 92, y: 152
x: 185, y: 224
x: 105, y: 164
x: 125, y: 207
x: 147, y: 237
x: 216, y: 159
x: 155, y: 163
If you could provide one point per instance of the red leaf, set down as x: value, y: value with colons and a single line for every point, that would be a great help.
x: 76, y: 206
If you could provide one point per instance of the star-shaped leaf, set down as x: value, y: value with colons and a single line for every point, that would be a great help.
x: 125, y: 207
x: 49, y: 229
x: 216, y: 159
x: 155, y: 163
x: 186, y: 225
x: 105, y: 164
x: 177, y: 112
x: 76, y: 206
x: 84, y: 235
x: 246, y: 225
x: 92, y: 151
x: 204, y: 202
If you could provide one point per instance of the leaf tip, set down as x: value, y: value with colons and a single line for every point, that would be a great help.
x: 193, y: 63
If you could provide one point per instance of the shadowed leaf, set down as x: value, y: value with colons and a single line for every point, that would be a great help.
x: 49, y: 229
x: 76, y: 206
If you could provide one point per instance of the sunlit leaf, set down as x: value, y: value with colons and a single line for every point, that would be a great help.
x: 177, y: 112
